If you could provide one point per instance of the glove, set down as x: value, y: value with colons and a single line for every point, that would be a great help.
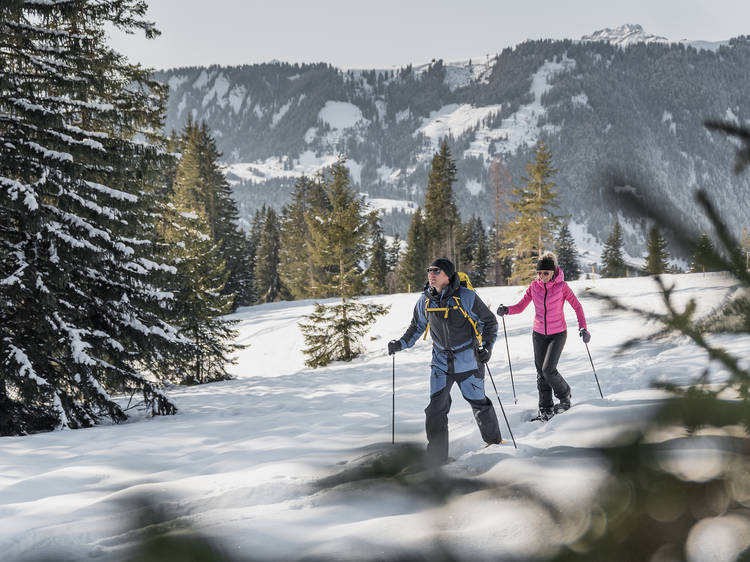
x: 502, y: 310
x: 484, y: 354
x: 394, y: 346
x: 584, y: 333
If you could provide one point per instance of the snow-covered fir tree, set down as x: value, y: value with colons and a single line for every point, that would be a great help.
x: 339, y: 236
x: 657, y: 259
x: 82, y: 311
x: 613, y: 259
x: 567, y: 254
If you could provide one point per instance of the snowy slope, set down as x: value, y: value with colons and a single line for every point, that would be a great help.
x: 262, y: 463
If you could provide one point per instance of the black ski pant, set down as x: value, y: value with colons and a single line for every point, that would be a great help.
x: 547, y: 350
x: 436, y: 420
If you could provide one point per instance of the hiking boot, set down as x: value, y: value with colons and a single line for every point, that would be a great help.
x: 546, y: 413
x: 564, y: 404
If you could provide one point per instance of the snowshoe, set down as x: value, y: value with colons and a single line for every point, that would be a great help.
x: 545, y: 414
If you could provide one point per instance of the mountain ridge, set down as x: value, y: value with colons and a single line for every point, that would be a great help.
x: 605, y: 110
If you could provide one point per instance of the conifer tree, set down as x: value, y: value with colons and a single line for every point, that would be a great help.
x: 567, y: 255
x: 201, y: 276
x: 377, y: 271
x: 502, y: 266
x: 267, y: 278
x: 213, y: 191
x: 534, y: 224
x: 613, y: 260
x: 441, y: 220
x: 296, y: 267
x: 338, y: 237
x: 411, y: 271
x: 704, y: 256
x: 474, y: 252
x: 393, y: 257
x: 657, y: 259
x: 82, y: 305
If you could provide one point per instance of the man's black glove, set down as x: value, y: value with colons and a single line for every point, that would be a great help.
x: 394, y: 346
x: 585, y: 336
x: 502, y: 310
x: 483, y: 354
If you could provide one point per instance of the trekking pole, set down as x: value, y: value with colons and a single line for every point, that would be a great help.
x: 393, y: 404
x: 501, y: 407
x: 592, y: 368
x: 507, y: 349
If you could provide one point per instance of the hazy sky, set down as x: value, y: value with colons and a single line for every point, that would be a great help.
x: 386, y: 33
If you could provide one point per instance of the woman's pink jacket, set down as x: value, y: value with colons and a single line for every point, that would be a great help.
x: 549, y: 299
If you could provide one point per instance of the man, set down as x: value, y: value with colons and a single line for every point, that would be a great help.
x: 463, y: 331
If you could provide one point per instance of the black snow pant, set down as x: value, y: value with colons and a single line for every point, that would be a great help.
x: 547, y: 350
x: 436, y: 421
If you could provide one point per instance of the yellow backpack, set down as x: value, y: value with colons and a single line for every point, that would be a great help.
x: 464, y: 281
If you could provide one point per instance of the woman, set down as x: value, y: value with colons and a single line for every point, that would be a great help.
x: 549, y: 291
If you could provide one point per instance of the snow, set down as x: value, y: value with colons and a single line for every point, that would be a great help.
x: 453, y: 119
x: 340, y: 115
x: 475, y: 187
x: 219, y: 90
x: 237, y: 96
x: 279, y: 114
x: 515, y: 131
x: 624, y: 36
x: 389, y: 205
x: 253, y: 462
x: 308, y: 164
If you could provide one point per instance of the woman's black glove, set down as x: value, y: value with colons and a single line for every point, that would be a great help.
x: 502, y: 310
x: 585, y: 336
x: 394, y: 346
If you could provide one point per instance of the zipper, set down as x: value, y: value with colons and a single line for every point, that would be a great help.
x: 545, y: 309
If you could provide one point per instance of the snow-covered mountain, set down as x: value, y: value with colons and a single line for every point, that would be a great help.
x: 618, y: 117
x: 625, y: 35
x: 632, y: 33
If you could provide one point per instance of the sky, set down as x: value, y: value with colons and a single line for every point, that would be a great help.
x: 273, y: 464
x: 393, y: 33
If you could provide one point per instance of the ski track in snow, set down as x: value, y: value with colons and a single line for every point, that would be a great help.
x: 246, y: 461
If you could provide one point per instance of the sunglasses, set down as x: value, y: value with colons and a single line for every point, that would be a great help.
x: 434, y: 270
x: 545, y: 273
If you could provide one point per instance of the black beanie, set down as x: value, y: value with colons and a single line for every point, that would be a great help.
x: 446, y: 265
x: 547, y: 263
